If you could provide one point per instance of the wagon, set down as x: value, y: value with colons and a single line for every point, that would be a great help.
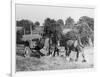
x: 31, y: 39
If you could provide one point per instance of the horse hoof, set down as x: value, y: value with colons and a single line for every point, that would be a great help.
x: 84, y: 61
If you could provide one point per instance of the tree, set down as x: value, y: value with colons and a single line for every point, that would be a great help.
x: 19, y: 34
x: 84, y: 30
x: 60, y: 22
x: 27, y: 25
x: 52, y: 30
x: 69, y: 23
x: 37, y: 23
x: 47, y: 25
x: 56, y: 32
x: 85, y: 33
x: 88, y: 20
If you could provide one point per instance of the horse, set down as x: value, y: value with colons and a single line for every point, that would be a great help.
x: 74, y: 45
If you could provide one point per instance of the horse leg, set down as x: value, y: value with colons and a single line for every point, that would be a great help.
x: 24, y: 53
x: 83, y: 57
x: 58, y: 52
x: 48, y: 49
x: 77, y: 55
x: 54, y: 53
x: 68, y: 54
x: 67, y: 49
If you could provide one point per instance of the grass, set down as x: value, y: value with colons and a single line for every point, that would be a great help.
x: 26, y: 64
x: 52, y: 63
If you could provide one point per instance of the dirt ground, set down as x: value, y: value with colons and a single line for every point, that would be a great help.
x: 54, y: 63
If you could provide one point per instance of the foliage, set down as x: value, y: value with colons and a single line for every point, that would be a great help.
x: 69, y: 23
x: 52, y: 30
x: 84, y: 32
x: 88, y: 20
x: 60, y: 22
x: 26, y: 24
x: 37, y: 23
x: 19, y: 36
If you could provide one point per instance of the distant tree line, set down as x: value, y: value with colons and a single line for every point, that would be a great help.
x: 53, y: 29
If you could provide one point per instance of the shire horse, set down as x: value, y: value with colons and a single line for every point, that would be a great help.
x: 73, y: 45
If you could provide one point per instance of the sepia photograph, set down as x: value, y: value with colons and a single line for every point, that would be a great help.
x: 53, y: 37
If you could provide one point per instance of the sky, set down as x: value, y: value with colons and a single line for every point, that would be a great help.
x: 40, y: 13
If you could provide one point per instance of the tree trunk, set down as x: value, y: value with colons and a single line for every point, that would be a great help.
x: 49, y: 46
x: 31, y: 29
